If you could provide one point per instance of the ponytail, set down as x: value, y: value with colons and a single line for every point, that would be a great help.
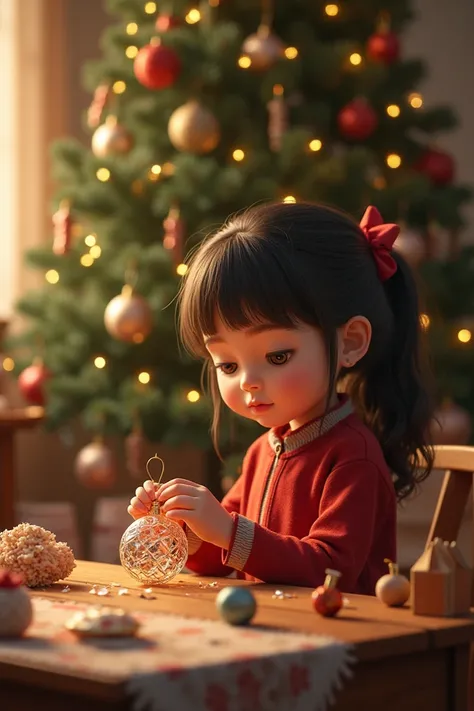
x: 391, y: 395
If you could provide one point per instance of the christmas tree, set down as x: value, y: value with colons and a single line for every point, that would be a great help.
x: 196, y: 113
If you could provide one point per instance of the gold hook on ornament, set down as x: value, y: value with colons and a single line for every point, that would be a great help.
x: 155, y: 456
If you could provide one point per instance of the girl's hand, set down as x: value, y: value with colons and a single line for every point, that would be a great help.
x: 141, y: 503
x: 183, y: 500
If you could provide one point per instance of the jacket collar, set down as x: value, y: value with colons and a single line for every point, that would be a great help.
x: 311, y: 431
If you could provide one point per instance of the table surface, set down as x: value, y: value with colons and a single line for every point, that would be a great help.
x: 21, y: 417
x: 375, y: 630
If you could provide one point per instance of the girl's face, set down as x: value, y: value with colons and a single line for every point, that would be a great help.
x: 270, y: 374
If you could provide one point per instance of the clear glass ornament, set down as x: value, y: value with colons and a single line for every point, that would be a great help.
x: 154, y: 549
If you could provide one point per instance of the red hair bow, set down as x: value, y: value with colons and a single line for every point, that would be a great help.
x: 380, y: 237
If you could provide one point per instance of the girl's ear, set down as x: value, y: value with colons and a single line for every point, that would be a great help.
x: 353, y: 341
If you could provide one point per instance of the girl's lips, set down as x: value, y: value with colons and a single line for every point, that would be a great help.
x: 260, y: 406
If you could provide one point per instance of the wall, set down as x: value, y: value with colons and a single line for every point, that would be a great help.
x: 441, y: 35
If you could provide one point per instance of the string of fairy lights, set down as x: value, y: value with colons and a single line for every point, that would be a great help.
x: 355, y: 61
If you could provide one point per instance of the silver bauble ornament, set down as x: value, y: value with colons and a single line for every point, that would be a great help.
x: 128, y: 317
x: 111, y: 139
x: 411, y: 245
x: 95, y: 466
x: 237, y: 606
x: 263, y: 49
x: 154, y: 549
x: 193, y: 128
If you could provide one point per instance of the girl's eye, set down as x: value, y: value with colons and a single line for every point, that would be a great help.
x: 280, y: 357
x: 227, y: 368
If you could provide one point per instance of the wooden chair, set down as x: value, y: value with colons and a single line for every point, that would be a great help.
x: 457, y: 486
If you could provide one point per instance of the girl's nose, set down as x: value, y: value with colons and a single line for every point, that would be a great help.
x: 250, y: 381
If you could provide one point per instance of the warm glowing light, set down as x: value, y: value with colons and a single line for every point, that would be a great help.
x: 150, y: 8
x: 193, y: 396
x: 119, y: 87
x: 103, y: 174
x: 331, y: 10
x: 289, y: 199
x: 379, y: 182
x: 415, y: 100
x: 52, y: 276
x: 393, y: 110
x: 393, y: 160
x: 144, y: 377
x: 238, y: 154
x: 132, y: 28
x: 95, y: 251
x: 90, y: 240
x: 244, y: 62
x: 131, y: 51
x: 278, y: 90
x: 291, y: 52
x: 181, y: 269
x: 355, y: 59
x: 100, y: 362
x: 464, y: 335
x: 193, y: 16
x: 315, y: 145
x: 8, y: 364
x: 425, y: 321
x: 168, y: 169
x: 156, y: 169
x: 87, y: 260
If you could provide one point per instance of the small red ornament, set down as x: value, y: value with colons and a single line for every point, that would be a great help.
x: 174, y: 234
x: 10, y: 580
x: 383, y: 46
x: 157, y: 66
x: 327, y: 599
x: 277, y: 118
x: 166, y: 22
x: 62, y: 222
x: 438, y: 166
x: 357, y: 120
x: 31, y: 383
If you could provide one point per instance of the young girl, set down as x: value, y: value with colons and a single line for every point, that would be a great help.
x: 291, y: 305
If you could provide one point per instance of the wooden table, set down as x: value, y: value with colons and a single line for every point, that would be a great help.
x: 11, y: 421
x: 403, y: 661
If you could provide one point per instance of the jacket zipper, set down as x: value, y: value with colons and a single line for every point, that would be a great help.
x: 278, y: 449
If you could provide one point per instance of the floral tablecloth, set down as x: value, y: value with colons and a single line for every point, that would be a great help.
x: 180, y: 664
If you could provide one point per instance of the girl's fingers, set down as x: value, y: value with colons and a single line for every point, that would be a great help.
x: 138, y: 505
x: 183, y: 503
x: 143, y: 496
x: 177, y: 489
x: 151, y: 488
x: 134, y: 513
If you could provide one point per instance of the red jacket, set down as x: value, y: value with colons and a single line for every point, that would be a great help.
x: 315, y: 498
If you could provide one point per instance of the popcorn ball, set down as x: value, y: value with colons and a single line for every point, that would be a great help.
x: 34, y: 552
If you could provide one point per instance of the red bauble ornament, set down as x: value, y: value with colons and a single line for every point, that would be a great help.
x: 31, y: 383
x: 157, y: 66
x: 167, y: 22
x: 357, y: 120
x: 438, y: 166
x: 327, y: 599
x: 383, y: 46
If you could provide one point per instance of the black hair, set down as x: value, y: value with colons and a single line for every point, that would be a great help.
x: 286, y: 264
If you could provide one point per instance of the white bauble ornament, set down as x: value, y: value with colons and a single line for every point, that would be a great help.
x: 111, y: 139
x: 128, y: 317
x: 95, y: 466
x: 193, y: 128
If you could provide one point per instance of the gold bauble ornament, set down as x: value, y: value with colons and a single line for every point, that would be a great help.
x: 154, y: 549
x: 451, y: 424
x: 128, y: 317
x: 392, y: 589
x: 95, y: 466
x: 111, y: 139
x: 263, y: 49
x: 411, y: 245
x: 193, y: 128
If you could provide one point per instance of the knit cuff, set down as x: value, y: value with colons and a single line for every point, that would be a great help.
x: 241, y: 543
x: 194, y: 542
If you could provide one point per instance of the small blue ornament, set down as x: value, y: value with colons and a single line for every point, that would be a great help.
x: 236, y: 605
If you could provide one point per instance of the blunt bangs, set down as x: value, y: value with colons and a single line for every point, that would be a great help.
x: 227, y: 279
